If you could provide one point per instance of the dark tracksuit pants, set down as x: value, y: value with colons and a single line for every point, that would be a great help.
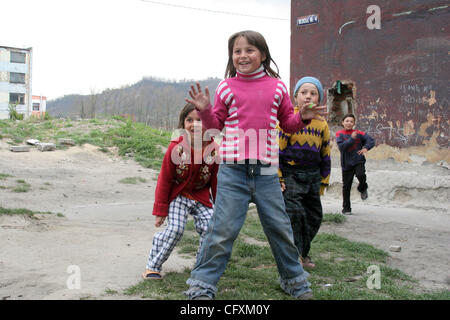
x: 302, y: 199
x: 359, y: 171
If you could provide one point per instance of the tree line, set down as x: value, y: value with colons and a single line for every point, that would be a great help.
x: 152, y: 101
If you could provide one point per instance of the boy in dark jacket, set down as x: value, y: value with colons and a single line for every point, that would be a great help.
x: 353, y: 144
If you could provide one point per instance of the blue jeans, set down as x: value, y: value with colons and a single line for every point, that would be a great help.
x: 238, y: 185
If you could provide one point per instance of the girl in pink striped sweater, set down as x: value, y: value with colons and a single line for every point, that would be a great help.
x: 248, y: 104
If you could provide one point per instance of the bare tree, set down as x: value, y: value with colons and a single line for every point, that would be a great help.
x: 82, y: 111
x: 93, y: 101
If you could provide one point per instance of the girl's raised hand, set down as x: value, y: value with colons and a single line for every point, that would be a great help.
x: 199, y: 99
x: 312, y: 111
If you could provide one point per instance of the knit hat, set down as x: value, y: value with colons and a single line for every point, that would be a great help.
x: 312, y: 80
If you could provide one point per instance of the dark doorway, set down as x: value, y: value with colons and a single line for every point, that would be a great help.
x: 340, y: 101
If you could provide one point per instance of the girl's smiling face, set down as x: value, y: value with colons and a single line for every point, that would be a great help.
x: 246, y: 57
x: 193, y: 125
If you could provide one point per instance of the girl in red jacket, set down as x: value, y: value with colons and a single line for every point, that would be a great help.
x: 186, y: 185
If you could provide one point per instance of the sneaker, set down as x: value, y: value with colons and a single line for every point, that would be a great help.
x: 364, y: 195
x: 346, y: 211
x: 306, y: 296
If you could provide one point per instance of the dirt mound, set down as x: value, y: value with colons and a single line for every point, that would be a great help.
x: 390, y: 183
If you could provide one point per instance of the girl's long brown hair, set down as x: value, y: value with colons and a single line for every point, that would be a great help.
x: 188, y: 108
x: 256, y: 39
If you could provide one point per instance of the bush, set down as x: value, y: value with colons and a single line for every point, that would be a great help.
x: 13, y: 114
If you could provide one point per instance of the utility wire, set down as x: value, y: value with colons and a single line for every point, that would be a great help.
x: 213, y: 11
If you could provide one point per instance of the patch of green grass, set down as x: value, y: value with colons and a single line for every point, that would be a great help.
x: 142, y: 141
x: 252, y: 227
x: 4, y: 176
x: 21, y: 186
x: 103, y: 149
x: 334, y: 218
x: 111, y: 291
x: 133, y: 180
x: 25, y: 212
x: 252, y: 273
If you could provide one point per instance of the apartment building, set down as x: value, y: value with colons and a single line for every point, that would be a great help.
x: 15, y: 81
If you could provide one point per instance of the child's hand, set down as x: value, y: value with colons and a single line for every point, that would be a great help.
x: 199, y: 99
x: 312, y: 111
x: 362, y: 151
x: 283, y: 186
x: 159, y: 221
x: 354, y: 134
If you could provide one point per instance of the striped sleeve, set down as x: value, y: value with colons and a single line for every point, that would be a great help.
x: 289, y: 121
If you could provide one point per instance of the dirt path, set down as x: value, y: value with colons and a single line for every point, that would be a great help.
x: 107, y: 227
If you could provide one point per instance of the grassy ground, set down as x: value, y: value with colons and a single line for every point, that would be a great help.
x: 344, y: 270
x: 137, y: 140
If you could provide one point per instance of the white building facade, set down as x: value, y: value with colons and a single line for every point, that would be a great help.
x: 15, y: 81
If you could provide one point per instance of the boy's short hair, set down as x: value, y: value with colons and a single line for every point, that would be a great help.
x: 351, y: 115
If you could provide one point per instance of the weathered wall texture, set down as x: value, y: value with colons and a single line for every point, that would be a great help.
x: 400, y: 73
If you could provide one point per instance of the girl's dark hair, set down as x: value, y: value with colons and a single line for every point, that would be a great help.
x: 255, y: 39
x: 351, y: 115
x: 188, y: 108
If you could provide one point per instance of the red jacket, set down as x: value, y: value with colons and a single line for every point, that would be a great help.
x: 181, y: 175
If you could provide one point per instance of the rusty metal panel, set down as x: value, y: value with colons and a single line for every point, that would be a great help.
x: 400, y: 72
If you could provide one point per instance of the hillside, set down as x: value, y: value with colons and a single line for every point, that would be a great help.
x: 153, y: 101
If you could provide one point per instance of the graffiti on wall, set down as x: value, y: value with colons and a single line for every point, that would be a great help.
x: 418, y: 110
x: 418, y: 115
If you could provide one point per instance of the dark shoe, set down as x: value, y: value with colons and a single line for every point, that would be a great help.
x: 347, y: 211
x: 202, y: 297
x: 306, y: 296
x: 148, y: 275
x: 364, y: 195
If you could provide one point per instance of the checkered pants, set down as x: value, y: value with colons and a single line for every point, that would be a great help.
x: 165, y: 241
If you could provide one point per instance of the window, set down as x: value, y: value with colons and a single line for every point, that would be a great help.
x: 15, y: 77
x: 36, y: 106
x: 16, y: 98
x: 17, y: 57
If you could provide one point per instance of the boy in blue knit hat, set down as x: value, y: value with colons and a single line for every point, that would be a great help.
x: 305, y: 166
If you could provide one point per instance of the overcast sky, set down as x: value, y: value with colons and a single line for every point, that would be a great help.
x: 81, y: 46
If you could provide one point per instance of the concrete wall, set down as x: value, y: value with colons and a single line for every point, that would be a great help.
x: 396, y: 77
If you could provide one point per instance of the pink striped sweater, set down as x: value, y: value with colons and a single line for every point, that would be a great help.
x: 248, y: 106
